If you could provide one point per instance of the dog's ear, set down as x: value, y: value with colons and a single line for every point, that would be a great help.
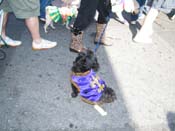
x: 95, y: 65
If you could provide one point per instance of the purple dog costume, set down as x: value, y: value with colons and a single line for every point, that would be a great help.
x: 89, y: 85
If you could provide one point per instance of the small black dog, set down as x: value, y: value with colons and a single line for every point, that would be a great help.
x: 84, y: 80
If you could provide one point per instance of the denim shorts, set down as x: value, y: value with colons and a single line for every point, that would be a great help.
x: 22, y: 8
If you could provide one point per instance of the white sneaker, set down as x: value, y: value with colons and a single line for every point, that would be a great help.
x: 44, y: 44
x: 10, y: 42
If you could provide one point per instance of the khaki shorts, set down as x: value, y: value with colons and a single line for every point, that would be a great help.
x: 22, y: 8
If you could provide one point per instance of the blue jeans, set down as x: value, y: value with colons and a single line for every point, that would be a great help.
x: 141, y: 2
x: 43, y: 4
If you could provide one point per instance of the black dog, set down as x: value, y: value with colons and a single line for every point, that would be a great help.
x: 84, y: 80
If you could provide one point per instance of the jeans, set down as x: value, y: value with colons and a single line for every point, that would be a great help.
x: 43, y: 4
x: 141, y: 2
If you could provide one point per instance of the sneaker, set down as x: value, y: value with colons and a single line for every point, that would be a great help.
x: 10, y: 42
x: 43, y: 45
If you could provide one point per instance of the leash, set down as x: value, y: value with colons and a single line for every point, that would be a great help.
x: 102, y: 33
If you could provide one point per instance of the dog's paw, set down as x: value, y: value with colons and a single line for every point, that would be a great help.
x: 45, y: 28
x: 67, y: 26
x: 73, y: 95
x: 52, y: 26
x: 46, y: 31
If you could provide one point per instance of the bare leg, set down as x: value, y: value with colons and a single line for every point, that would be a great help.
x: 4, y: 24
x: 33, y: 26
x: 143, y: 36
x: 38, y: 43
x: 8, y: 40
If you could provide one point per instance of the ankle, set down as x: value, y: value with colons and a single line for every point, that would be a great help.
x: 76, y: 31
x: 37, y: 41
x: 3, y: 35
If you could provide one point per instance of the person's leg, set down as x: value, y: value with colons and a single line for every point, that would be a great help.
x: 38, y: 43
x: 33, y: 26
x: 143, y: 36
x: 29, y: 10
x: 85, y: 16
x: 6, y: 8
x: 104, y: 9
x: 86, y: 13
x: 4, y: 23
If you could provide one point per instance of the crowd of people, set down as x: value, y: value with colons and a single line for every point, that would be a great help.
x: 33, y: 10
x: 167, y: 6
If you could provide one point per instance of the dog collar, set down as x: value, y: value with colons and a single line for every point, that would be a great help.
x: 89, y: 85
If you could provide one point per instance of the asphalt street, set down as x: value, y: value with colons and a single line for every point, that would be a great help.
x: 35, y: 91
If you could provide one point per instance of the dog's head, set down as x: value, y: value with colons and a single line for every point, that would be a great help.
x: 85, y: 61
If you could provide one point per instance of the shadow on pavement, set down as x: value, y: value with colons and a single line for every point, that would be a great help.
x: 134, y: 28
x: 171, y: 120
x: 134, y: 25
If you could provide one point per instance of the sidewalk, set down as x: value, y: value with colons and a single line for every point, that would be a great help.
x: 35, y: 89
x: 146, y: 75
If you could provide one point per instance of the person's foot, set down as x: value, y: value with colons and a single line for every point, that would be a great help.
x: 43, y: 44
x: 10, y: 42
x: 77, y: 43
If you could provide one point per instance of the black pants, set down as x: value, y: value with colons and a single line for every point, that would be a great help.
x: 87, y: 11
